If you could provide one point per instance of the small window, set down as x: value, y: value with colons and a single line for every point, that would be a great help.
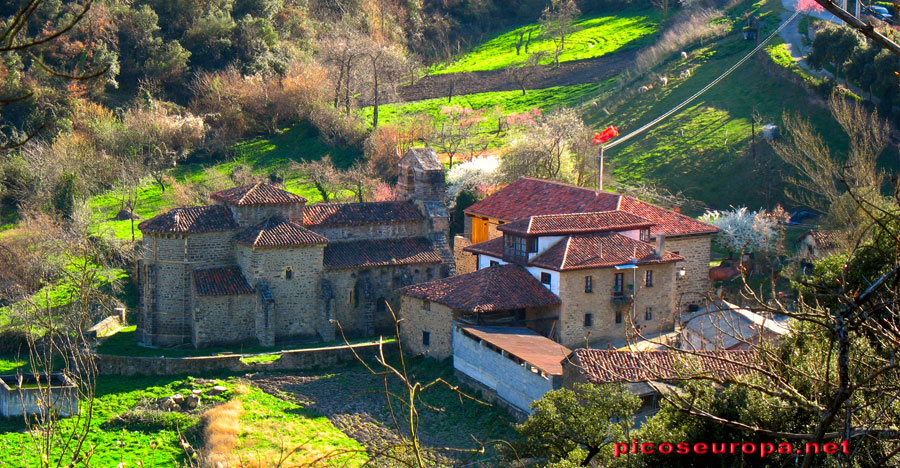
x: 618, y: 316
x: 494, y: 263
x: 588, y: 320
x: 288, y: 273
x: 645, y: 235
x: 426, y: 338
x: 588, y: 284
x: 532, y: 246
x: 649, y: 279
x: 426, y: 304
x: 648, y: 315
x: 619, y: 284
x: 545, y: 278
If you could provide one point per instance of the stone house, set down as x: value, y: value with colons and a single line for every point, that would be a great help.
x: 527, y: 197
x: 259, y: 265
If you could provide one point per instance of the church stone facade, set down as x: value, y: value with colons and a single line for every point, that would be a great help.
x: 259, y: 265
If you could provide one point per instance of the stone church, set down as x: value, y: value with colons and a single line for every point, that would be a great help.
x: 259, y: 265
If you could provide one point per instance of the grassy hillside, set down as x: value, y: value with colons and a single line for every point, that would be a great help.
x: 592, y: 37
x: 705, y: 149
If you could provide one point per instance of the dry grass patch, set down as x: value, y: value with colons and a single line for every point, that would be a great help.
x: 222, y: 428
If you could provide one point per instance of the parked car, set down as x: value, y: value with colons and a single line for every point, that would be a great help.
x: 879, y: 12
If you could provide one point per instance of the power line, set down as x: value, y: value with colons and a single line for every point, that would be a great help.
x: 714, y: 82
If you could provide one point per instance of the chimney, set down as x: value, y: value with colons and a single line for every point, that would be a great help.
x: 600, y: 250
x: 660, y: 245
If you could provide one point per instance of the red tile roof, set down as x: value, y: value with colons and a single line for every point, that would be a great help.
x: 222, y: 281
x: 667, y: 222
x: 584, y: 251
x: 581, y: 251
x: 608, y: 366
x: 335, y: 214
x: 534, y: 197
x: 194, y: 219
x: 576, y: 223
x: 502, y: 287
x: 256, y: 194
x: 279, y: 232
x: 541, y: 352
x: 381, y: 252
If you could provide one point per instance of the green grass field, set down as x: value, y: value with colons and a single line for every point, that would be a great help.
x: 592, y: 37
x: 150, y: 438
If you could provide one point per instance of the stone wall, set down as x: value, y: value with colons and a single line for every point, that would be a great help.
x: 301, y: 359
x: 513, y: 382
x: 465, y: 262
x: 695, y: 287
x: 576, y: 303
x: 437, y: 321
x: 224, y: 320
x: 298, y: 310
x: 386, y: 230
x: 357, y: 292
x: 17, y: 401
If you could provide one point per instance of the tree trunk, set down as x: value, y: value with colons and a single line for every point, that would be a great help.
x: 592, y: 452
x: 337, y: 89
x: 322, y: 191
x: 374, y: 95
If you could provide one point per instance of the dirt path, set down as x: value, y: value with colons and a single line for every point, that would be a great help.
x: 569, y: 73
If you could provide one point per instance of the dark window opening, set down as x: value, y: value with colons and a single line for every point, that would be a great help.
x: 520, y: 314
x: 618, y: 316
x: 288, y: 273
x: 619, y: 284
x: 518, y: 248
x: 645, y: 235
x: 648, y: 315
x: 588, y: 284
x: 426, y: 338
x: 545, y: 278
x: 494, y: 263
x: 649, y: 280
x: 588, y: 320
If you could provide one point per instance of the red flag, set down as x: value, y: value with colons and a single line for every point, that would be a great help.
x: 611, y: 132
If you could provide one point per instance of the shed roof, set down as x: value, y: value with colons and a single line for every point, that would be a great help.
x: 279, y: 232
x: 728, y: 325
x: 611, y: 366
x: 541, y: 352
x: 256, y: 194
x: 190, y: 220
x: 347, y: 214
x: 381, y: 252
x: 573, y: 223
x: 221, y: 281
x: 497, y: 288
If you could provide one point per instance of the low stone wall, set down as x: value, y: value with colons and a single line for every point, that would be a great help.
x: 300, y: 359
x: 105, y: 326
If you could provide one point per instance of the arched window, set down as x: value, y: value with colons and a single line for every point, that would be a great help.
x: 288, y: 273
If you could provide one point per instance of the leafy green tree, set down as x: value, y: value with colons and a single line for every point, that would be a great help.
x: 834, y: 45
x: 589, y: 419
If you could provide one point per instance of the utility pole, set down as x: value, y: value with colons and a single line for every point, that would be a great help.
x: 600, y: 170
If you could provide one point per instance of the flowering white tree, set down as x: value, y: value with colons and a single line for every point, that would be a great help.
x: 744, y: 230
x: 470, y: 175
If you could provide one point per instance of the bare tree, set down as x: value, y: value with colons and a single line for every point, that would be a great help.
x: 523, y: 73
x: 825, y: 180
x: 322, y: 174
x: 385, y: 64
x: 544, y: 149
x: 360, y: 180
x: 344, y: 48
x: 457, y: 133
x: 556, y: 22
